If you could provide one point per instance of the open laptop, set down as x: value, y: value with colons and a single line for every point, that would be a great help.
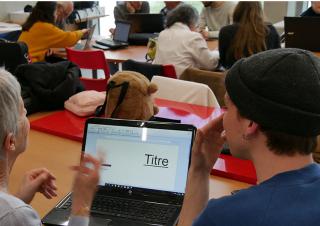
x: 302, y: 32
x: 146, y: 22
x: 80, y: 46
x: 120, y: 38
x: 143, y: 179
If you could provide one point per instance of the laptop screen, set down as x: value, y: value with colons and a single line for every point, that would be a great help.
x: 141, y: 157
x: 122, y: 31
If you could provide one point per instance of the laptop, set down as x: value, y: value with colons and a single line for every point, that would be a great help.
x: 143, y: 179
x: 80, y: 46
x: 302, y: 32
x: 146, y: 23
x: 120, y: 38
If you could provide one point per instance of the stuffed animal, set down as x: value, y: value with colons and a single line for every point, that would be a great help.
x: 129, y: 96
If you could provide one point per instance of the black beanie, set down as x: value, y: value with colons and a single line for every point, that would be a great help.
x: 278, y: 89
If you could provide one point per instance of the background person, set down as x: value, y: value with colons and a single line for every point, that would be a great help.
x: 249, y: 34
x: 314, y: 10
x: 40, y: 33
x: 180, y: 45
x: 122, y: 9
x: 215, y: 15
x: 14, y: 131
x: 169, y: 5
x: 64, y: 9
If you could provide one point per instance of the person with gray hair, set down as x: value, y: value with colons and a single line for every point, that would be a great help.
x: 179, y: 44
x: 14, y: 129
x: 64, y: 9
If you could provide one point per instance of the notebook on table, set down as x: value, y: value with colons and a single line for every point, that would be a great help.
x: 142, y: 180
x: 80, y: 46
x: 120, y: 38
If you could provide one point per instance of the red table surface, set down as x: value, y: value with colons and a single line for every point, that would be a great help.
x: 66, y: 124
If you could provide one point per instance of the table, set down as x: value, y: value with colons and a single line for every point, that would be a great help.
x: 138, y: 53
x: 57, y: 154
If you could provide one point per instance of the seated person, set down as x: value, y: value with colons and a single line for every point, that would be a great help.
x: 276, y: 130
x: 169, y: 5
x: 15, y: 209
x: 64, y: 9
x: 214, y: 16
x: 249, y: 34
x: 122, y: 9
x: 40, y: 33
x: 180, y: 45
x: 314, y: 10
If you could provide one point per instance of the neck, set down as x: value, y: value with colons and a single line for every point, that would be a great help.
x: 276, y: 163
x: 4, y: 175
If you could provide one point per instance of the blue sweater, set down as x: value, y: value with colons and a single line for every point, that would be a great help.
x: 287, y: 199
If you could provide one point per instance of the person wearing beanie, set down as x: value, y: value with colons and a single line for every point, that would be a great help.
x: 273, y: 119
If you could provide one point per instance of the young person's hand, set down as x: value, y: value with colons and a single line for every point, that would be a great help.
x: 207, y: 146
x: 37, y: 180
x: 85, y: 184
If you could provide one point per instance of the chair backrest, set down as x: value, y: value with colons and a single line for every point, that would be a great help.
x: 184, y: 92
x: 147, y: 69
x: 89, y: 59
x: 169, y: 71
x: 94, y: 84
x: 215, y: 80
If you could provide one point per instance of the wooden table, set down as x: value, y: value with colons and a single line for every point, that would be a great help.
x: 138, y: 53
x: 57, y: 154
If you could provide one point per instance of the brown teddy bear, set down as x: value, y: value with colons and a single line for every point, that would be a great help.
x: 129, y: 96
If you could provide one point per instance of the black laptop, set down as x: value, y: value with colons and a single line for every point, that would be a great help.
x: 142, y: 180
x: 120, y: 38
x: 302, y: 32
x: 146, y: 22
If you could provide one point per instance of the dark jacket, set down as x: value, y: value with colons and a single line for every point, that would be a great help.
x: 227, y: 35
x: 49, y: 85
x: 309, y: 12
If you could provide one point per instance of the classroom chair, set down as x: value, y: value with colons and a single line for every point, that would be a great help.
x: 215, y: 80
x: 94, y: 60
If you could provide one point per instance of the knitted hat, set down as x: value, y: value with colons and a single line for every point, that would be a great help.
x: 278, y: 89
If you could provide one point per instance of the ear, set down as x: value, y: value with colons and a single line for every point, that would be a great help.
x: 252, y: 129
x: 9, y: 145
x: 152, y: 88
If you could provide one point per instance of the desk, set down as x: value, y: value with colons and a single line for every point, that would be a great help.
x: 57, y: 154
x: 138, y: 53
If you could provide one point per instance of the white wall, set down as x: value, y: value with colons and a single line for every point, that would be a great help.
x: 11, y: 6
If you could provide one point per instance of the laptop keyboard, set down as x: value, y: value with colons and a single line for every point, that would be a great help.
x: 148, y: 212
x: 111, y: 42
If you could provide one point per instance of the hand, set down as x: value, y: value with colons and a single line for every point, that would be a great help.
x: 85, y: 184
x: 205, y: 34
x: 130, y: 8
x: 112, y: 30
x: 207, y: 146
x: 37, y: 180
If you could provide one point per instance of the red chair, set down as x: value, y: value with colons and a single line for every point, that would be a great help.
x: 91, y: 59
x: 169, y: 71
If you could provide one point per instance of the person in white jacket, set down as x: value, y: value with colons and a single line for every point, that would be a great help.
x: 14, y: 130
x: 180, y: 45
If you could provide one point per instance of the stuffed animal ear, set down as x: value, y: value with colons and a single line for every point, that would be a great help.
x: 152, y: 88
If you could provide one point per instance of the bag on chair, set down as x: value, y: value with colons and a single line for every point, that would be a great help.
x: 13, y: 54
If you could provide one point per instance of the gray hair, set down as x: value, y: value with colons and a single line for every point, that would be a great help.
x: 9, y: 105
x: 183, y: 13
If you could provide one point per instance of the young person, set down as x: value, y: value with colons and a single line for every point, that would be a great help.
x: 314, y: 10
x: 249, y: 34
x: 41, y: 34
x: 273, y: 119
x: 215, y: 15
